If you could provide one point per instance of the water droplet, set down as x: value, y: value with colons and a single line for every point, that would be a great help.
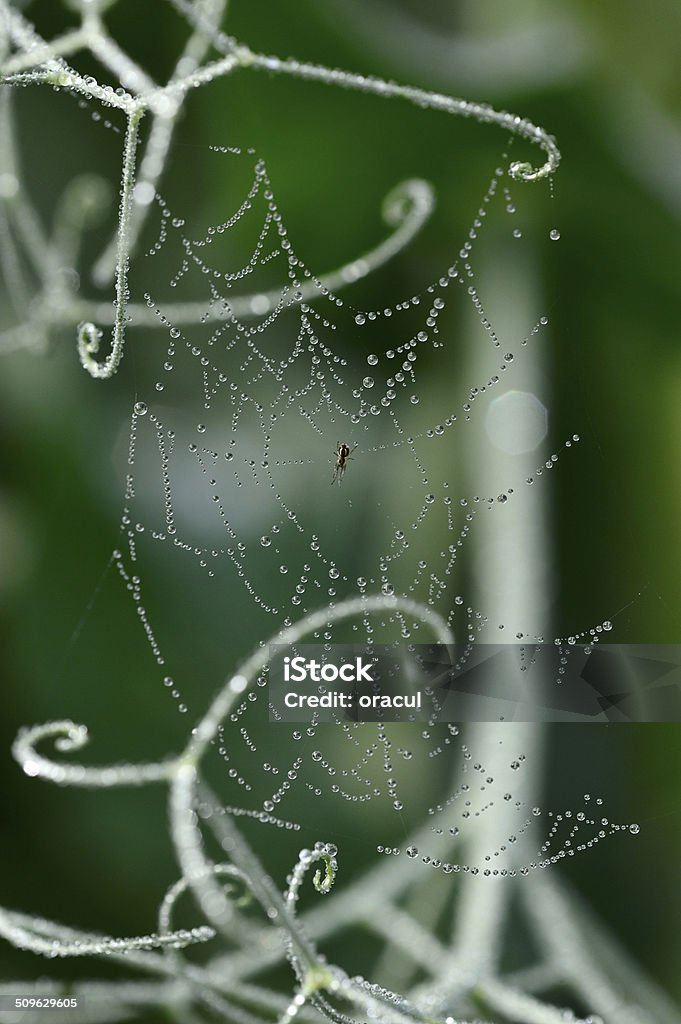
x: 141, y: 408
x: 372, y: 360
x: 554, y: 234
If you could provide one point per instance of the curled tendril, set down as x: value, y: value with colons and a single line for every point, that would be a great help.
x: 69, y: 737
x: 306, y: 858
x: 182, y: 885
x: 89, y: 336
x: 323, y: 884
x: 406, y: 208
x: 414, y: 197
x: 521, y: 171
x: 481, y: 112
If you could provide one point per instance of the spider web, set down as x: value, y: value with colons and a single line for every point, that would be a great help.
x: 229, y: 501
x: 231, y: 477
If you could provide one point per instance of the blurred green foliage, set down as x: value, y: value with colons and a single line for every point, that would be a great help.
x: 70, y: 646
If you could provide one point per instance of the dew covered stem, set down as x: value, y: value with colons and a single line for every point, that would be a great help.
x: 89, y: 336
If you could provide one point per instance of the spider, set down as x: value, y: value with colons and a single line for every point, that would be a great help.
x: 343, y: 452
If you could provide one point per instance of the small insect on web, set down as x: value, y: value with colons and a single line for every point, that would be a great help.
x: 342, y: 453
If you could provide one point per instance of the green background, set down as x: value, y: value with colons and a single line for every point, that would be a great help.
x: 611, y: 287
